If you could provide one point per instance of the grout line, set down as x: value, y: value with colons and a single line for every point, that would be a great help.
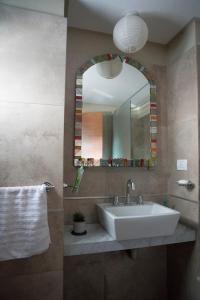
x: 30, y: 103
x: 106, y: 197
x: 89, y: 197
x: 52, y: 210
x: 182, y: 198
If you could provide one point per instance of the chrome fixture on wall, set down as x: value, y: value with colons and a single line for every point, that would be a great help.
x: 49, y: 186
x: 188, y: 184
x: 130, y: 186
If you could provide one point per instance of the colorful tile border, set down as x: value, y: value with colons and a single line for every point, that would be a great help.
x: 116, y: 162
x: 154, y: 118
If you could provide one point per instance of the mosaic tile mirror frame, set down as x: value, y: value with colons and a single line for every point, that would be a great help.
x: 139, y: 162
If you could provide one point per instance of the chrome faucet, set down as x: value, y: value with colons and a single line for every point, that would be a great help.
x: 130, y: 186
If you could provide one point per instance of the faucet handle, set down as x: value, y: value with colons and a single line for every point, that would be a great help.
x: 116, y: 200
x: 140, y: 200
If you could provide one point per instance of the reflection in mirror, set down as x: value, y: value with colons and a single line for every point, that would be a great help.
x: 113, y: 120
x: 140, y: 133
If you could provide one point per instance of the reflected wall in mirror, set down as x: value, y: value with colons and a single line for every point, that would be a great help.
x: 116, y: 114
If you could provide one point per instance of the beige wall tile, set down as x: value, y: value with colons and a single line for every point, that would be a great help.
x: 44, y: 286
x: 182, y: 42
x: 84, y: 277
x: 117, y: 275
x: 189, y: 210
x: 183, y: 117
x: 145, y: 265
x: 86, y: 206
x: 33, y: 55
x: 31, y: 146
x: 182, y: 87
x: 32, y: 58
x: 183, y: 123
x: 183, y: 271
x: 183, y: 144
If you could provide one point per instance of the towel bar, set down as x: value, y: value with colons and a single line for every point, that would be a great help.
x: 66, y: 186
x: 49, y: 186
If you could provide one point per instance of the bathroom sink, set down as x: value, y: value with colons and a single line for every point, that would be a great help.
x: 126, y: 222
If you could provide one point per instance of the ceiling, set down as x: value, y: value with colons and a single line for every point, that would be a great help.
x: 111, y: 93
x: 165, y: 18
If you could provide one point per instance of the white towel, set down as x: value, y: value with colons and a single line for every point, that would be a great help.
x: 24, y: 227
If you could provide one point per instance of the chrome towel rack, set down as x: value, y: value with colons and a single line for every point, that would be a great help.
x: 67, y: 186
x: 49, y: 186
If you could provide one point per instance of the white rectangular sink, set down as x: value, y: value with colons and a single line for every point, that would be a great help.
x: 127, y: 222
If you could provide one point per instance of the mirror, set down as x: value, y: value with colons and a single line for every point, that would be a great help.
x: 115, y: 115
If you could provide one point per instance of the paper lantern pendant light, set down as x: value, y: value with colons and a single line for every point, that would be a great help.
x: 130, y: 34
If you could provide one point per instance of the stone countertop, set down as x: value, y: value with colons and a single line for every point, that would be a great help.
x: 97, y: 240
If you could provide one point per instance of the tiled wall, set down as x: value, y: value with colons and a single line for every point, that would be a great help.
x: 138, y: 274
x: 183, y: 138
x: 32, y: 79
x: 183, y: 130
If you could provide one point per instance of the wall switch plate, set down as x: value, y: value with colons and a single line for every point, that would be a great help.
x: 181, y: 165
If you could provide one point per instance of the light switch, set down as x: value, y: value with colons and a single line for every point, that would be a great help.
x: 181, y: 164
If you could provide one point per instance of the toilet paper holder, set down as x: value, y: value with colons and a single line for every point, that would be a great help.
x: 186, y: 183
